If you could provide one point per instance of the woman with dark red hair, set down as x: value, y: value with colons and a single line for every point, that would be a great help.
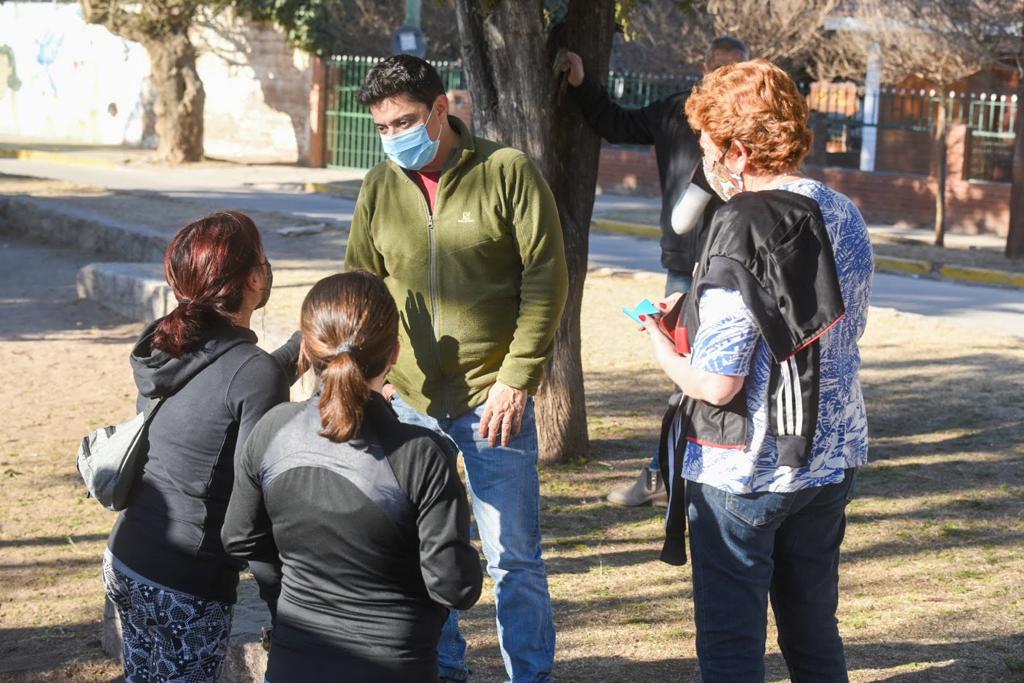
x: 165, y: 567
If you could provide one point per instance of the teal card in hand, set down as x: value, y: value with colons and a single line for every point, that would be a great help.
x: 645, y: 307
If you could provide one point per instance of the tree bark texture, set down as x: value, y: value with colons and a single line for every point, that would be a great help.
x: 180, y: 98
x: 508, y: 53
x: 161, y: 27
x: 1015, y: 233
x: 941, y: 171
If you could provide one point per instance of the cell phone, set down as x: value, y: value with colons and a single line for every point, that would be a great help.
x: 645, y: 307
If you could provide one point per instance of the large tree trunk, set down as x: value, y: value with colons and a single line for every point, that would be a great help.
x: 941, y: 170
x: 179, y: 98
x: 1015, y: 234
x: 508, y: 54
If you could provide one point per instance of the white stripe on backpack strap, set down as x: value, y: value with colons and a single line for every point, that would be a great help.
x: 780, y: 400
x: 798, y: 400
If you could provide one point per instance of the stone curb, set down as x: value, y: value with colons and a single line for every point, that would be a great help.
x: 58, y: 158
x: 983, y: 276
x: 50, y: 221
x: 620, y: 228
x: 333, y: 189
x: 902, y: 266
x: 136, y: 291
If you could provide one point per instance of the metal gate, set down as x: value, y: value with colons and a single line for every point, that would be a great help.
x: 352, y: 140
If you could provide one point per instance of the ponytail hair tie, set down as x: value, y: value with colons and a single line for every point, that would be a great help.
x: 345, y: 348
x: 184, y: 300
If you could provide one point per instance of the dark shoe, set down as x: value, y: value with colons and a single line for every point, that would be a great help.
x: 646, y: 490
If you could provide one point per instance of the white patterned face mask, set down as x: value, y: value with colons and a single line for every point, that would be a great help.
x: 724, y: 182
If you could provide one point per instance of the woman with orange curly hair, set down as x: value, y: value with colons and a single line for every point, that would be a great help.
x: 763, y: 448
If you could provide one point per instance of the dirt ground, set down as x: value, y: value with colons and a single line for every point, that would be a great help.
x: 64, y: 367
x: 931, y: 565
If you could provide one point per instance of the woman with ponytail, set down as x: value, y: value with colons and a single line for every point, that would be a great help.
x: 367, y: 515
x: 165, y: 568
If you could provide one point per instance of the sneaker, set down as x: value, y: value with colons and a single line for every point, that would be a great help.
x: 646, y: 490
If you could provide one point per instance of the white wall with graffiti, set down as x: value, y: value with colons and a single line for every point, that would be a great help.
x: 65, y: 81
x: 62, y: 80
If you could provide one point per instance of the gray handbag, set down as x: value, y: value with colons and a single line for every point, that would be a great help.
x: 110, y: 460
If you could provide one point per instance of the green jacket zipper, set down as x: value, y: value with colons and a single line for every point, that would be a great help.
x: 434, y: 284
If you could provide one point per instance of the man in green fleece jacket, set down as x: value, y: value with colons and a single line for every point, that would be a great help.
x: 466, y: 235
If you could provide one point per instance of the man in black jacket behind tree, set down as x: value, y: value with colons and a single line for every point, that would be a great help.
x: 686, y: 207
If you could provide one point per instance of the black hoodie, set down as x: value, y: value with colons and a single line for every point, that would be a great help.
x: 170, y: 531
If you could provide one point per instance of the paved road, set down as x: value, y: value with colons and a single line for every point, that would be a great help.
x: 994, y: 309
x: 997, y: 310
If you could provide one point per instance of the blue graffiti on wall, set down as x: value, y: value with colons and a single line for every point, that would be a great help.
x: 49, y: 48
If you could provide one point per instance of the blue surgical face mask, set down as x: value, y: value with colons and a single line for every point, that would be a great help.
x: 413, y: 149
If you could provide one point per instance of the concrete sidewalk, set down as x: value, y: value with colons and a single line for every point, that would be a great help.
x: 965, y: 258
x: 899, y: 249
x: 210, y: 173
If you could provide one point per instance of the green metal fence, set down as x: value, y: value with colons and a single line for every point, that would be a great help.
x: 906, y: 117
x: 636, y: 90
x: 352, y: 140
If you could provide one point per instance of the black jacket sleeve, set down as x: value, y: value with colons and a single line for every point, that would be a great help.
x: 614, y: 123
x: 287, y: 356
x: 259, y: 385
x: 449, y: 563
x: 247, y: 532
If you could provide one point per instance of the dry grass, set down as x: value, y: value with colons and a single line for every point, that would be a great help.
x: 932, y: 562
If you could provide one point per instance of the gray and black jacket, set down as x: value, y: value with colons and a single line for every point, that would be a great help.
x: 372, y: 536
x: 773, y: 248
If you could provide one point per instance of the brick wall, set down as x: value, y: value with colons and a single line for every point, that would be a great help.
x: 883, y: 197
x: 628, y: 170
x: 257, y: 91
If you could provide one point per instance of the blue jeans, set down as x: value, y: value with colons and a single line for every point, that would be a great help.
x: 505, y: 489
x: 677, y: 281
x: 749, y: 548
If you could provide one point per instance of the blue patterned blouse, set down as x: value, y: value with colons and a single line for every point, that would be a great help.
x: 729, y: 343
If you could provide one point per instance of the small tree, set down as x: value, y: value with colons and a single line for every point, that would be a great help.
x: 943, y: 42
x: 666, y: 35
x: 162, y: 27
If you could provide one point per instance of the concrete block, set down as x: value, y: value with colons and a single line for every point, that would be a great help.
x: 51, y: 221
x: 136, y: 291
